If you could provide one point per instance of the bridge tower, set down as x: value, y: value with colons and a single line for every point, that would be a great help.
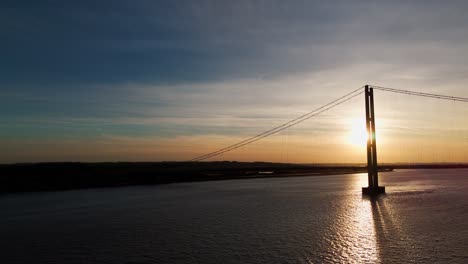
x: 372, y: 168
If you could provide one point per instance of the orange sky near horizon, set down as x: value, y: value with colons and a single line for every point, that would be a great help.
x: 337, y: 136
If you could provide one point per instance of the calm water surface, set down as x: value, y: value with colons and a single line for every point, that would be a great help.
x: 422, y: 219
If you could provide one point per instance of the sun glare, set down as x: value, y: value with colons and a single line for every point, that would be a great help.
x: 357, y: 135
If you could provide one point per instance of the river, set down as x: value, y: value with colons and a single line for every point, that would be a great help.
x: 321, y: 219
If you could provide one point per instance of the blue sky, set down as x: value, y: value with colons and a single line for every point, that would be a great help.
x: 95, y: 72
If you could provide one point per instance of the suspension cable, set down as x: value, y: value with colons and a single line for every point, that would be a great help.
x: 430, y: 95
x: 284, y: 126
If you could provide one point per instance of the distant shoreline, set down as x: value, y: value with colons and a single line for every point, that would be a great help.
x: 69, y: 176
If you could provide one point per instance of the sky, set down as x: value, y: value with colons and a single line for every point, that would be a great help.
x: 172, y: 80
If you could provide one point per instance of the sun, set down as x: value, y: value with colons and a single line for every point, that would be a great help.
x: 357, y: 135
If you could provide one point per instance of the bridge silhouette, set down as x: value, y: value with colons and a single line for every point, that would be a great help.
x: 373, y: 187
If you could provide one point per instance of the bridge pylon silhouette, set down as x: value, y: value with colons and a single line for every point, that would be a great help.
x: 372, y: 167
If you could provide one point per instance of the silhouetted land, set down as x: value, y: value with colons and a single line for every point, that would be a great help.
x: 66, y: 176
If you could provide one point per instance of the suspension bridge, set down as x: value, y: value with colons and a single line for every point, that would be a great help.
x: 373, y: 187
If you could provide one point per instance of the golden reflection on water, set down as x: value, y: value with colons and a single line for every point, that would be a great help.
x: 351, y: 236
x: 364, y: 229
x: 360, y: 238
x: 360, y: 181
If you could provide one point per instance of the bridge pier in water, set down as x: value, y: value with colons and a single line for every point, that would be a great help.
x: 372, y: 167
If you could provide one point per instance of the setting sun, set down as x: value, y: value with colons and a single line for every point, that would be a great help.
x: 357, y: 134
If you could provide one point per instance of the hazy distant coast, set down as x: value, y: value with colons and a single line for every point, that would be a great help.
x: 67, y: 176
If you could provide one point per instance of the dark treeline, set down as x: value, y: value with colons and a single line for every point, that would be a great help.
x: 66, y: 176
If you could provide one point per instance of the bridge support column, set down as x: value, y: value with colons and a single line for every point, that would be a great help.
x: 372, y: 168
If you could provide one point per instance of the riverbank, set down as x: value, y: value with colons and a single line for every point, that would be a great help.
x: 67, y: 176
